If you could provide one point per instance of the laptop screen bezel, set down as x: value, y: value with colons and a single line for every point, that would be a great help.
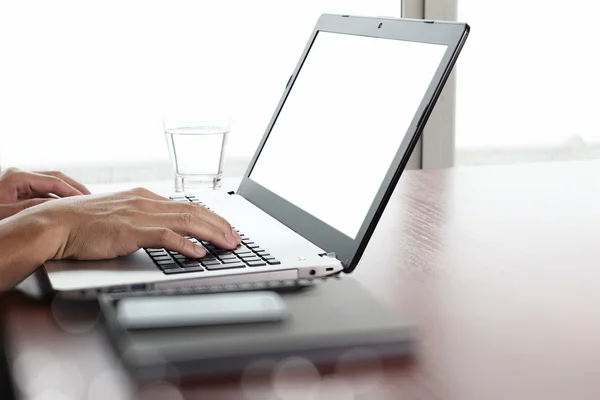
x: 346, y: 249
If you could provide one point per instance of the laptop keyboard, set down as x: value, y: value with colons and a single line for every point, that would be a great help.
x: 247, y: 254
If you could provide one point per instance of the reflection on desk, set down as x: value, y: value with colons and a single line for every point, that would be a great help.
x: 497, y: 265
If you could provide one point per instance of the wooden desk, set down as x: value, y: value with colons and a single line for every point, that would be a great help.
x: 499, y: 266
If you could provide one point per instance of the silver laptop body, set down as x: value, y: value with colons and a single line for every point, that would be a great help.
x: 334, y: 149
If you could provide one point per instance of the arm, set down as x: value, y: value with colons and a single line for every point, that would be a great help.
x: 25, y: 244
x: 103, y: 227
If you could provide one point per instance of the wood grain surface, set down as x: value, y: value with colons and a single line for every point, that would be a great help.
x: 499, y: 267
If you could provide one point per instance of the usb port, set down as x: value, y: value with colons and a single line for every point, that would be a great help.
x: 140, y: 286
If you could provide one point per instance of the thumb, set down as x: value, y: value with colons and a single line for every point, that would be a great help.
x: 7, y: 210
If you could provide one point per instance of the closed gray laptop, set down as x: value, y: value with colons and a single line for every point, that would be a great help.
x: 329, y: 322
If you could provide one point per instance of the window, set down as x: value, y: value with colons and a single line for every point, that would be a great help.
x: 85, y: 85
x: 527, y: 82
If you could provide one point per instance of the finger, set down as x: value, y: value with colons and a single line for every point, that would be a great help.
x: 204, y: 214
x: 39, y: 183
x: 33, y: 202
x: 166, y: 238
x: 28, y: 194
x: 191, y: 225
x: 7, y: 210
x: 67, y: 179
x: 42, y: 196
x: 169, y: 206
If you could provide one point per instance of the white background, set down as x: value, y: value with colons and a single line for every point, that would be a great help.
x: 528, y: 81
x: 343, y: 123
x: 88, y: 83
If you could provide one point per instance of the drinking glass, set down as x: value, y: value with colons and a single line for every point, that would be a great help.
x: 197, y: 148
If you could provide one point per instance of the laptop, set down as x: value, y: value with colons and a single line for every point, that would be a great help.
x: 333, y: 151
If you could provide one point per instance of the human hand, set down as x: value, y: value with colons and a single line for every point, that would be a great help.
x: 107, y: 226
x: 16, y: 185
x: 7, y: 210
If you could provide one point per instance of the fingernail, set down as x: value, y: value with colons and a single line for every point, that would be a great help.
x: 200, y: 252
x: 231, y: 239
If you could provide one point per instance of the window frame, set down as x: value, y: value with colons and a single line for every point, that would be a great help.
x: 437, y: 145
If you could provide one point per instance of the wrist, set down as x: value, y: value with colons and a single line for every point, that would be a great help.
x: 47, y: 234
x: 27, y: 241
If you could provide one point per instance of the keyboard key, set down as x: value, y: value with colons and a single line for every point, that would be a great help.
x: 178, y: 198
x: 252, y: 246
x: 268, y: 257
x: 169, y: 266
x: 258, y: 260
x: 227, y: 257
x: 225, y: 266
x: 193, y: 269
x: 165, y: 262
x: 162, y: 258
x: 242, y: 251
x: 248, y: 256
x: 273, y: 262
x: 222, y: 251
x: 231, y: 261
x: 256, y: 263
x: 180, y: 257
x: 190, y: 264
x: 174, y: 271
x: 156, y: 251
x: 210, y: 262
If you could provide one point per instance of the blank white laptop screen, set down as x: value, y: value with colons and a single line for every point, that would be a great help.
x: 343, y: 122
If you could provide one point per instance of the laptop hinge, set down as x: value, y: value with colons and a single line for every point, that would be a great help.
x: 330, y: 255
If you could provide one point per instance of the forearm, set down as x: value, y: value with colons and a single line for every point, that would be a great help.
x: 26, y: 242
